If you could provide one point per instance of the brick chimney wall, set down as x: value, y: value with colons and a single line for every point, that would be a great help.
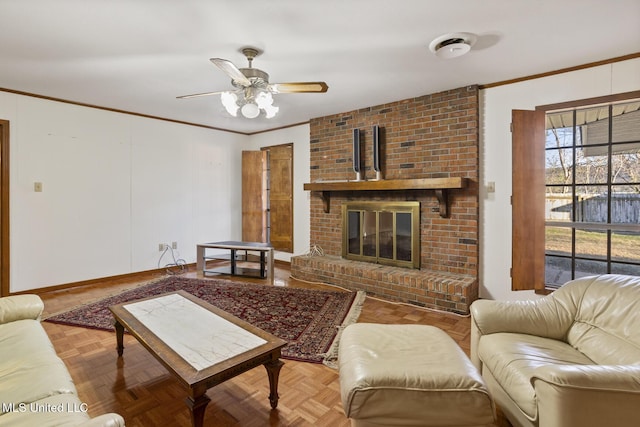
x: 429, y: 136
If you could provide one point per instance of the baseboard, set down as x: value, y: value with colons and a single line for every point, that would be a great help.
x: 282, y: 263
x: 139, y: 275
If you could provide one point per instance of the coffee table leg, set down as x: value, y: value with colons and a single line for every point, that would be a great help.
x: 197, y: 407
x: 119, y: 337
x: 273, y: 371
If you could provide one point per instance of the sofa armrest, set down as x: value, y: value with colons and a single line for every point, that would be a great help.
x: 587, y: 396
x: 601, y: 377
x: 20, y: 307
x: 545, y: 317
x: 542, y: 317
x: 105, y: 420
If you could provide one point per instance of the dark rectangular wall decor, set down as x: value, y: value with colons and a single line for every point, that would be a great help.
x: 356, y: 150
x: 356, y: 153
x: 376, y: 148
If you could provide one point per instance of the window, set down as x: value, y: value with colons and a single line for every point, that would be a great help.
x: 592, y: 197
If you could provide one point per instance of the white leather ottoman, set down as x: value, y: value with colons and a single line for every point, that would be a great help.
x: 409, y: 375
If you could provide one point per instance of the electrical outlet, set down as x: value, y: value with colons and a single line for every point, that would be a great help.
x: 161, y: 246
x: 174, y: 245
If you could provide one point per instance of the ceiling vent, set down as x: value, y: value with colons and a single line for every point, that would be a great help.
x: 452, y: 45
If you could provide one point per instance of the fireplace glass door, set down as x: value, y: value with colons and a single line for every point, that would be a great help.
x: 382, y: 232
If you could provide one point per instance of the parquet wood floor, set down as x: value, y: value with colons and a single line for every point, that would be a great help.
x: 145, y: 394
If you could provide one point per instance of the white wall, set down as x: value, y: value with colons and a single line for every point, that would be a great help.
x: 495, y: 155
x: 299, y: 136
x: 114, y: 187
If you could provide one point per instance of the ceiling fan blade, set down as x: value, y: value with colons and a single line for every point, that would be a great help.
x: 232, y: 71
x: 195, y: 95
x: 300, y: 87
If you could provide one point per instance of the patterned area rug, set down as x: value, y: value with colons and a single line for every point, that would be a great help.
x: 309, y: 320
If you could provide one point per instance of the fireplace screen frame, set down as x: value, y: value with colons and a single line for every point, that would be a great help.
x: 353, y: 215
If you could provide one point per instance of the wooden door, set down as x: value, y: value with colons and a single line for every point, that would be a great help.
x: 254, y: 200
x: 281, y: 197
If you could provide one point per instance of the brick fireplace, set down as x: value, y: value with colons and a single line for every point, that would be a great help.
x: 432, y: 136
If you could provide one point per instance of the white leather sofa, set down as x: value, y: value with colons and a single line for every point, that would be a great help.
x: 569, y: 359
x: 35, y: 386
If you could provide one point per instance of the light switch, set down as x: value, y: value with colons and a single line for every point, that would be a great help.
x: 37, y: 187
x: 491, y: 187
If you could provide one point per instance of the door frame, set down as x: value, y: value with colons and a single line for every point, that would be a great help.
x: 5, y: 287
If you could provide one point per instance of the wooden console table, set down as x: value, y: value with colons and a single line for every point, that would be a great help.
x: 265, y: 252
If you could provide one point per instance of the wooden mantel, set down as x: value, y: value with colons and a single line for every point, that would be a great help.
x: 440, y: 185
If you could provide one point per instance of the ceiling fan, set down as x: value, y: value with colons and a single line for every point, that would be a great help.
x: 253, y: 92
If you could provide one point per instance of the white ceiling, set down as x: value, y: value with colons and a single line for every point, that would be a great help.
x: 138, y: 55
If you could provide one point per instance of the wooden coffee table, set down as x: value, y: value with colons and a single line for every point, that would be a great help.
x: 200, y: 344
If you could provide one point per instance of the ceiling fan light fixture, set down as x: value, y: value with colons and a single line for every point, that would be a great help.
x: 264, y: 100
x: 271, y: 111
x: 250, y: 110
x: 250, y: 105
x: 452, y: 45
x: 229, y: 101
x: 254, y: 93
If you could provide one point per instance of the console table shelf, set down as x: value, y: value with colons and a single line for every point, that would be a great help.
x: 440, y: 185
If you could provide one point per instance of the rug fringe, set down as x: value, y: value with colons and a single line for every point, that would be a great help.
x: 330, y: 358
